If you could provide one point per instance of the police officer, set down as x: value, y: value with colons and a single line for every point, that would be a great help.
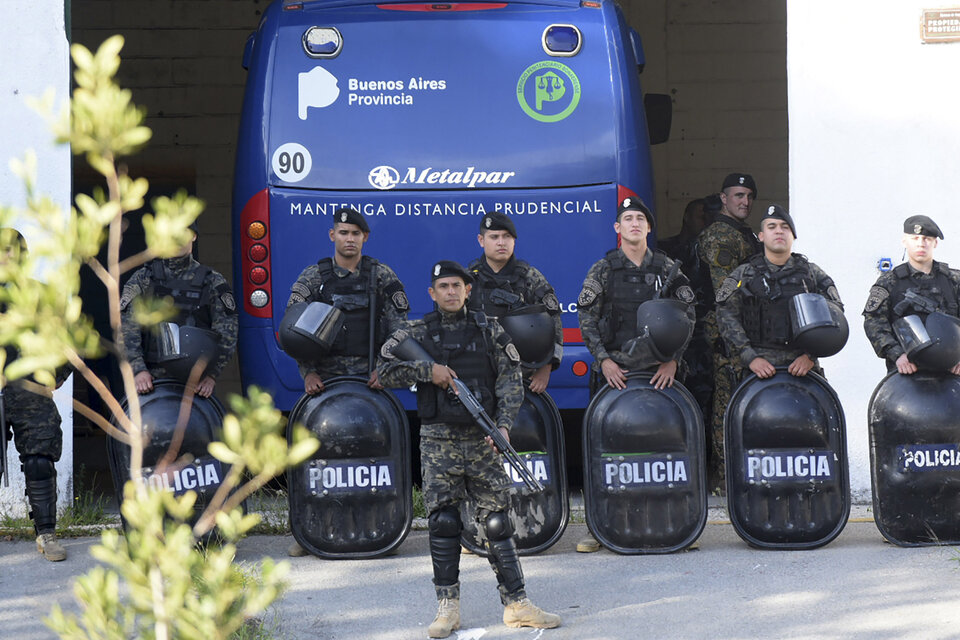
x: 502, y: 284
x: 351, y: 282
x: 202, y: 299
x: 726, y: 243
x: 36, y: 431
x: 753, y: 303
x: 615, y: 286
x: 931, y: 285
x: 458, y: 462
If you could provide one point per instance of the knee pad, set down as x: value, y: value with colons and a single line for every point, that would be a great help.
x: 497, y: 526
x: 38, y: 468
x: 445, y: 522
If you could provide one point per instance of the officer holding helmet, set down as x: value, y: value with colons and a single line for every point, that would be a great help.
x: 458, y: 460
x: 919, y: 286
x: 203, y: 300
x: 504, y: 285
x: 753, y: 303
x: 354, y: 284
x: 615, y: 287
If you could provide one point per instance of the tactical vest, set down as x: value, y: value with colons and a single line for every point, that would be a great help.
x: 705, y: 290
x: 938, y: 290
x: 627, y: 288
x: 352, y: 295
x: 191, y: 299
x: 496, y: 294
x: 467, y: 350
x: 766, y: 300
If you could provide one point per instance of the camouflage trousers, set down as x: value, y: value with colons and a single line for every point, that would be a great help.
x: 456, y: 469
x: 727, y: 373
x: 35, y: 421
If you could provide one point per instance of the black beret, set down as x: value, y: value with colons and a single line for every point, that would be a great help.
x: 740, y: 180
x: 498, y: 221
x: 350, y: 216
x: 922, y: 226
x: 633, y: 203
x: 777, y: 212
x: 447, y: 268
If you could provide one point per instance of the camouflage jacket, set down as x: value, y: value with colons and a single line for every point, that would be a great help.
x: 722, y: 246
x: 509, y: 383
x: 391, y: 309
x: 596, y: 293
x: 222, y: 310
x: 879, y: 312
x: 532, y: 288
x: 730, y: 299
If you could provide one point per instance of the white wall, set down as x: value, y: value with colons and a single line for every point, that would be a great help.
x: 34, y: 55
x: 874, y: 138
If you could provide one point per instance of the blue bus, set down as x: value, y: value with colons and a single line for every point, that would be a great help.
x: 424, y: 116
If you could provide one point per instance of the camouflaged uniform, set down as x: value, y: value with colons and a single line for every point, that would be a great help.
x: 607, y: 306
x: 391, y: 301
x: 938, y: 290
x: 517, y: 284
x: 214, y: 308
x: 753, y: 316
x: 722, y: 246
x: 455, y: 458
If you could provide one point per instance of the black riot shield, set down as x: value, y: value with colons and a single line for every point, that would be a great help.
x: 538, y: 518
x: 788, y: 485
x: 644, y: 467
x: 354, y: 498
x: 175, y: 454
x: 915, y: 458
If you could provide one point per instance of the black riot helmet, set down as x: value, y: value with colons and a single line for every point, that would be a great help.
x: 309, y: 329
x: 666, y: 323
x: 531, y: 329
x: 817, y: 325
x: 933, y: 345
x: 180, y: 348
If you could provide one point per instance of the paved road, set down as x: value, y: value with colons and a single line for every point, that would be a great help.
x: 856, y: 587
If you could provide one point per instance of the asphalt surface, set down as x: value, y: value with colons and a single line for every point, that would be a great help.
x: 858, y: 586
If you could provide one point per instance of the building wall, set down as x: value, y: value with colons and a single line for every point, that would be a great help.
x: 873, y: 140
x: 34, y: 57
x: 724, y: 64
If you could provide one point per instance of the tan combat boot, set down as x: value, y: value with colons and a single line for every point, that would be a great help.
x: 50, y: 548
x: 447, y: 620
x: 588, y: 544
x: 524, y: 613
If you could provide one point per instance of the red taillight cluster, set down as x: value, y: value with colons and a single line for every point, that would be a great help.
x: 255, y: 255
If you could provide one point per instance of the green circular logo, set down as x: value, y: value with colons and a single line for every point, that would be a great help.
x: 554, y: 85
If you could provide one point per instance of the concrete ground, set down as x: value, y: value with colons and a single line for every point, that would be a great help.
x: 858, y: 587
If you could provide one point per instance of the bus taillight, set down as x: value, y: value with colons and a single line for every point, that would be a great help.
x: 255, y: 255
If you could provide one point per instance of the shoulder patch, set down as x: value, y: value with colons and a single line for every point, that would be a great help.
x: 875, y: 299
x: 130, y: 292
x: 684, y: 294
x: 588, y: 295
x: 726, y: 289
x: 512, y: 353
x: 399, y: 300
x: 725, y: 258
x: 227, y: 299
x: 301, y: 290
x: 551, y: 303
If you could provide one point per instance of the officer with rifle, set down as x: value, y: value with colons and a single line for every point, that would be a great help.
x: 459, y: 460
x: 919, y: 286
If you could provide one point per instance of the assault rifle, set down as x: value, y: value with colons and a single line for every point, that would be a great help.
x: 411, y: 350
x: 920, y: 303
x: 671, y: 278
